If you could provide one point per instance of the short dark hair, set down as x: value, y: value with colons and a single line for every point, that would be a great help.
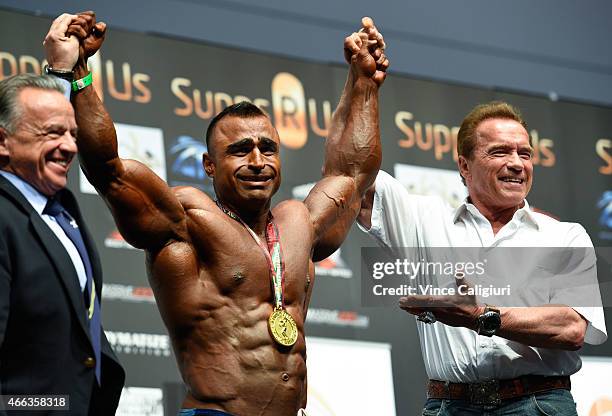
x: 243, y: 109
x: 10, y: 109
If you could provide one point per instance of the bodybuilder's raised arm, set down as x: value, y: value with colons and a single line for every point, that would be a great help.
x: 145, y: 209
x: 353, y: 151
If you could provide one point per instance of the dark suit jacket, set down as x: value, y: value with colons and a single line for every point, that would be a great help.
x: 45, y: 346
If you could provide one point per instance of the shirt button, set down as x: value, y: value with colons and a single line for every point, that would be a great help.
x: 90, y: 362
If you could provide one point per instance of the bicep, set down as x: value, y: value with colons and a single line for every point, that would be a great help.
x: 333, y: 205
x: 146, y: 211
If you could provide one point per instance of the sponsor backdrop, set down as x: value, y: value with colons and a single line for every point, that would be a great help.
x: 162, y: 94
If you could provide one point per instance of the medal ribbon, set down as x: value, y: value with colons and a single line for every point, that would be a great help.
x: 272, y: 252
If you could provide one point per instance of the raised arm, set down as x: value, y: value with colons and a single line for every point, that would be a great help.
x: 352, y: 150
x: 145, y: 209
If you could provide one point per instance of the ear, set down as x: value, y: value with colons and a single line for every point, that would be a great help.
x: 209, y: 166
x: 4, y: 151
x: 464, y: 167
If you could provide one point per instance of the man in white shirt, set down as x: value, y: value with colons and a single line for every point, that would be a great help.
x: 479, y: 358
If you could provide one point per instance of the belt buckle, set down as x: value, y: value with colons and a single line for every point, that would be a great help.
x: 485, y: 393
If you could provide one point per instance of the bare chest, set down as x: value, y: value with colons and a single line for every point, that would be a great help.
x: 231, y: 259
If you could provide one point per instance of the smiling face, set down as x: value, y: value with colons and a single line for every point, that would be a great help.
x: 42, y: 146
x: 244, y: 161
x: 499, y: 172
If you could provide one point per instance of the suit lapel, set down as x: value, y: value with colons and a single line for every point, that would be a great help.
x: 63, y: 265
x: 57, y: 253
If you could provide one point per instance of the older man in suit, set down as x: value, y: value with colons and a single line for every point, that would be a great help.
x: 51, y: 339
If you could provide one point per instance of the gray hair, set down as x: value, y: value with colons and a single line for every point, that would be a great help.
x: 10, y: 110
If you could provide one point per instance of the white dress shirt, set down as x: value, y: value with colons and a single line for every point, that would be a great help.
x: 400, y: 219
x: 39, y: 202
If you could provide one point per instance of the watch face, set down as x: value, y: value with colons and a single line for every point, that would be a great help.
x: 491, y: 321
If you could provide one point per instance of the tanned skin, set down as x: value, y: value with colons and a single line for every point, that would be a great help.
x: 211, y: 280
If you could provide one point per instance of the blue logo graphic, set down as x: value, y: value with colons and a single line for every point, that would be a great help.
x: 187, y: 166
x: 605, y: 205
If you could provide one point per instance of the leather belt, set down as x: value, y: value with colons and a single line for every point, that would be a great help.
x: 492, y: 392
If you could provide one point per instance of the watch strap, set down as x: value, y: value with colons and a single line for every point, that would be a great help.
x: 59, y: 73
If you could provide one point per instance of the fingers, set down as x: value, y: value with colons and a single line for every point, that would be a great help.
x: 88, y: 19
x: 382, y: 63
x: 87, y: 29
x: 460, y: 280
x: 76, y: 30
x: 367, y: 22
x: 99, y: 30
x: 379, y: 77
x: 353, y: 43
x: 60, y: 24
x: 88, y: 13
x: 367, y: 47
x: 367, y: 26
x: 58, y: 27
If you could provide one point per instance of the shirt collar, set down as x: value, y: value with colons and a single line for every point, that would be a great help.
x: 524, y: 214
x: 33, y: 195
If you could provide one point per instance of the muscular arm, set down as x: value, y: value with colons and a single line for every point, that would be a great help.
x: 146, y: 210
x: 352, y: 155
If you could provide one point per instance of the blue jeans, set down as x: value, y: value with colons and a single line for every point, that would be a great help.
x: 551, y: 403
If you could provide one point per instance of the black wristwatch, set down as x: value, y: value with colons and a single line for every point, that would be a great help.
x: 489, y: 322
x: 67, y: 75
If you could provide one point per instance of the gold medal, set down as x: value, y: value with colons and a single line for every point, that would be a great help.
x: 283, y: 327
x: 281, y: 324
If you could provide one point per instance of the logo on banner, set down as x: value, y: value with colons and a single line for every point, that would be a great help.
x: 136, y: 343
x: 145, y: 144
x: 115, y: 240
x: 141, y: 401
x: 186, y: 164
x: 335, y: 317
x: 605, y: 217
x: 294, y: 113
x: 333, y: 266
x: 128, y: 293
x: 441, y: 139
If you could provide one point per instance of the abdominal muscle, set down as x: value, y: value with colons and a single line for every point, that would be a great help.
x: 230, y: 362
x: 219, y: 329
